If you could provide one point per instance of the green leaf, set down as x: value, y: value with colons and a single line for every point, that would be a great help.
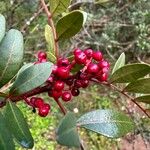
x: 18, y: 125
x: 106, y: 122
x: 70, y: 24
x: 119, y: 63
x: 144, y: 99
x: 67, y: 133
x: 6, y: 140
x: 31, y: 78
x: 2, y: 27
x: 11, y: 52
x: 130, y: 73
x: 50, y: 41
x: 58, y: 6
x: 139, y: 86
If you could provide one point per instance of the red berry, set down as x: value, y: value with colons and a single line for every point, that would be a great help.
x: 88, y: 53
x: 80, y: 58
x: 85, y: 83
x: 38, y: 102
x: 63, y: 72
x: 103, y: 77
x: 55, y: 94
x: 43, y: 111
x: 103, y: 64
x: 66, y: 96
x: 83, y: 76
x: 46, y: 106
x: 59, y: 85
x: 42, y: 55
x: 92, y: 68
x: 75, y: 92
x: 63, y: 62
x: 105, y: 70
x: 32, y: 101
x: 77, y: 51
x: 97, y: 56
x: 54, y: 69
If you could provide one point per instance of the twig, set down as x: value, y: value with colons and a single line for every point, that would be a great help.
x: 122, y: 92
x: 51, y: 23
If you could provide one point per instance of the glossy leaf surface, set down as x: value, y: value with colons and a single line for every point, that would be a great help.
x: 31, y: 78
x: 2, y: 27
x: 106, y: 122
x: 130, y: 73
x: 11, y: 52
x: 18, y: 125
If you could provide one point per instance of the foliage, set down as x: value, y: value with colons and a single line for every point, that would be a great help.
x: 32, y: 79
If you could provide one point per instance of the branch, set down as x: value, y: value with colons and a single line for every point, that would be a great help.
x: 51, y: 23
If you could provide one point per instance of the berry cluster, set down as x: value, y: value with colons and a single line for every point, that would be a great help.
x: 65, y: 82
x: 43, y: 108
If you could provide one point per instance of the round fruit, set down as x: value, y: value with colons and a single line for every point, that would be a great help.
x: 63, y: 72
x: 66, y: 96
x: 75, y: 92
x: 92, y: 68
x: 97, y: 56
x: 80, y: 58
x: 88, y: 53
x: 59, y: 85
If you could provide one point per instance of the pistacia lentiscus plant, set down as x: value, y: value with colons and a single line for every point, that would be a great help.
x: 62, y: 77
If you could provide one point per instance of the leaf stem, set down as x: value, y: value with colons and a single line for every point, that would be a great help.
x: 51, y: 23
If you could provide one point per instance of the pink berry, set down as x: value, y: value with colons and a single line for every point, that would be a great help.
x: 38, y: 102
x: 42, y: 55
x: 77, y: 51
x: 75, y: 92
x: 66, y: 96
x: 63, y: 62
x: 88, y: 53
x: 92, y: 68
x: 105, y: 70
x: 63, y: 72
x: 59, y: 85
x: 103, y: 64
x: 80, y: 58
x: 32, y: 101
x: 97, y: 56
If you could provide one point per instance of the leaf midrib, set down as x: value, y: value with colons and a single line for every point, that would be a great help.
x: 13, y: 112
x: 9, y: 59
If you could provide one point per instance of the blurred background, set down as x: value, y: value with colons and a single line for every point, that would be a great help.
x: 113, y: 26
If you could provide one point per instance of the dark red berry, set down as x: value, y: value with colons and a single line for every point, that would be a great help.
x: 43, y: 111
x: 66, y: 96
x: 92, y: 68
x: 38, y: 102
x: 42, y: 55
x: 75, y: 92
x: 77, y: 51
x: 63, y: 72
x: 83, y: 76
x: 69, y: 82
x: 80, y: 58
x: 59, y: 85
x: 63, y: 62
x: 85, y: 83
x: 78, y: 83
x: 97, y: 56
x: 88, y: 53
x: 103, y: 64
